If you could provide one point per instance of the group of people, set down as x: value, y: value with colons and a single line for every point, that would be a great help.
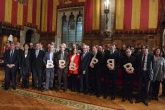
x: 86, y: 71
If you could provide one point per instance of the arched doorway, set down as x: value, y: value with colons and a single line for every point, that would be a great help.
x: 29, y: 35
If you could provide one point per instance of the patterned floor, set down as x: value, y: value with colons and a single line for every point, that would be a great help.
x: 64, y: 102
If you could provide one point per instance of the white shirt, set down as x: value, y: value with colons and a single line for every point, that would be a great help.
x: 73, y: 57
x: 11, y: 52
x: 145, y: 62
x: 51, y: 55
x: 25, y: 55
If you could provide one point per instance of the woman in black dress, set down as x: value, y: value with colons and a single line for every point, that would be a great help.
x: 25, y: 68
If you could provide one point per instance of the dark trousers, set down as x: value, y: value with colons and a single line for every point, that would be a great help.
x: 111, y: 75
x: 96, y: 81
x: 61, y: 75
x: 128, y: 86
x: 49, y: 78
x: 25, y: 80
x: 163, y: 87
x: 74, y: 81
x: 18, y: 76
x: 155, y: 88
x: 10, y: 73
x: 143, y: 80
x: 37, y: 74
x: 84, y: 82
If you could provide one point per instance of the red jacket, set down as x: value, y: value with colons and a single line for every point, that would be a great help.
x: 76, y: 61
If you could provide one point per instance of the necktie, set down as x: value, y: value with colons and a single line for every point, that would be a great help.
x: 62, y: 56
x: 142, y: 64
x: 11, y: 55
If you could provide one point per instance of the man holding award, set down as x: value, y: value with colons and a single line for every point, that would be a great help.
x: 111, y: 61
x: 62, y: 62
x: 96, y: 70
x: 49, y: 62
x: 128, y: 66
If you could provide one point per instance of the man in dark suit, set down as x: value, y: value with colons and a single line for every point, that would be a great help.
x: 96, y: 70
x: 62, y: 68
x: 19, y: 53
x: 49, y: 68
x: 11, y: 65
x: 128, y: 74
x: 37, y: 67
x: 111, y: 71
x: 145, y: 67
x: 85, y: 58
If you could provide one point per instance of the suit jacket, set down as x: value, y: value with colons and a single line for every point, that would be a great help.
x: 99, y: 64
x: 150, y: 63
x: 76, y: 61
x: 15, y: 58
x: 84, y: 62
x: 126, y: 60
x: 115, y: 56
x: 159, y: 69
x: 66, y: 58
x: 47, y: 57
x: 37, y: 63
x: 25, y: 63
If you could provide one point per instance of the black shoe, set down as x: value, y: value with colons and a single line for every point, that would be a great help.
x: 72, y: 90
x: 156, y: 98
x: 51, y: 88
x: 39, y: 89
x: 33, y: 88
x: 98, y: 95
x: 6, y: 88
x: 65, y: 90
x: 153, y: 98
x: 18, y: 84
x: 113, y: 97
x: 44, y: 90
x: 26, y: 87
x: 138, y: 100
x: 22, y: 86
x: 14, y: 88
x: 86, y: 92
x: 124, y: 99
x: 105, y: 96
x: 57, y: 90
x: 92, y: 94
x: 145, y: 103
x: 130, y: 100
x: 80, y: 92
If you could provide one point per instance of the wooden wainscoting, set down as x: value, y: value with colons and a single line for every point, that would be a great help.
x: 46, y: 39
x: 152, y: 40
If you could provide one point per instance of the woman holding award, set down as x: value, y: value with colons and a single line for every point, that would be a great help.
x: 73, y: 68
